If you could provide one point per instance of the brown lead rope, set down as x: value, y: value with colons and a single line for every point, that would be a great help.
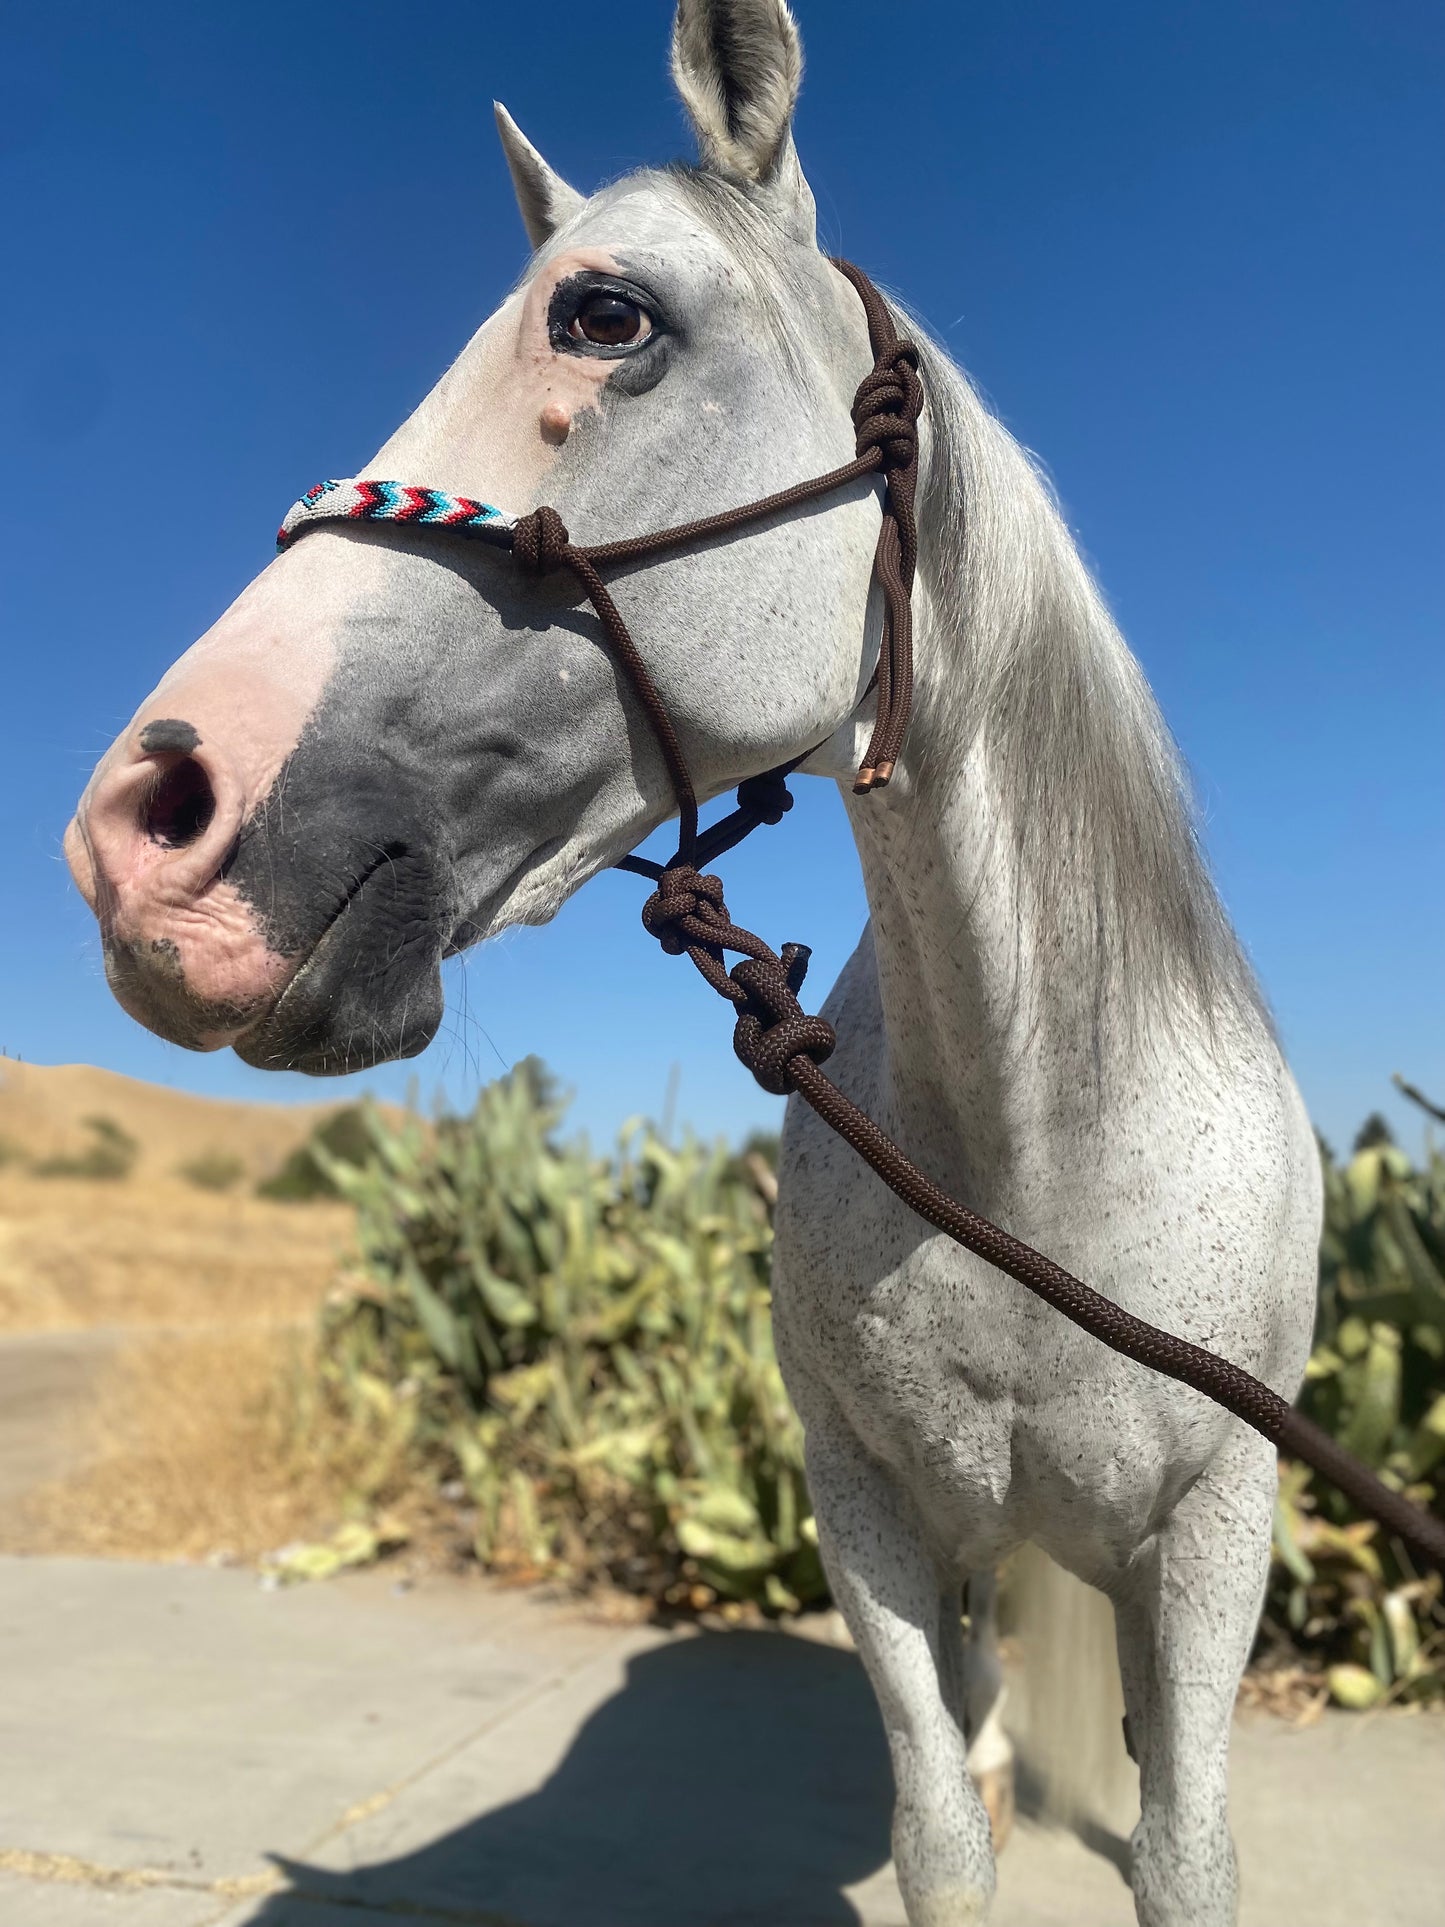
x: 774, y: 1037
x: 783, y: 1047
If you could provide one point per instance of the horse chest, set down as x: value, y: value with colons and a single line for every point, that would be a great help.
x: 996, y: 1414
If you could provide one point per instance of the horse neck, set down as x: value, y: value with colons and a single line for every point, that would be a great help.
x: 971, y: 1055
x: 1041, y: 920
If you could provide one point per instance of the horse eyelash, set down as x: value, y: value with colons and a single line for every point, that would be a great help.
x: 567, y: 299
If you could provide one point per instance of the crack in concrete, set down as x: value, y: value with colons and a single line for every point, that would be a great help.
x: 69, y: 1870
x: 64, y: 1869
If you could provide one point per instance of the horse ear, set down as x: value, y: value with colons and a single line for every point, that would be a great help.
x: 738, y: 65
x: 544, y: 198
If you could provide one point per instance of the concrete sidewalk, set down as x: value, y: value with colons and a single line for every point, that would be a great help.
x: 179, y: 1748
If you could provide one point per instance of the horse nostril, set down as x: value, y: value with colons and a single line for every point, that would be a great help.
x: 181, y: 805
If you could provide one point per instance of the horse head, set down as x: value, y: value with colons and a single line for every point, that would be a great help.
x: 396, y: 743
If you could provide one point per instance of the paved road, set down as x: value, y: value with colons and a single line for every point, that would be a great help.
x: 179, y: 1748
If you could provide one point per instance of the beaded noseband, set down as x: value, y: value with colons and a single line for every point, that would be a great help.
x: 773, y: 1036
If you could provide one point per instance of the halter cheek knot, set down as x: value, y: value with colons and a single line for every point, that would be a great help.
x: 540, y: 541
x: 886, y: 409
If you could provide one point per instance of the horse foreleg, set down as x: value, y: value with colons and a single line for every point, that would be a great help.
x: 970, y: 1673
x: 990, y: 1751
x: 887, y: 1587
x: 1187, y: 1612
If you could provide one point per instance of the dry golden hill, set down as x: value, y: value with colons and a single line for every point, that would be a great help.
x: 43, y: 1108
x: 152, y: 1247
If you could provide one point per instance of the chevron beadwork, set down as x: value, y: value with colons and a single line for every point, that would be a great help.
x: 370, y: 501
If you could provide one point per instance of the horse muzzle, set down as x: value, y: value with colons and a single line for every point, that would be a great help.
x: 304, y: 930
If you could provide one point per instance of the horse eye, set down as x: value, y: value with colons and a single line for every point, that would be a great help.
x: 611, y: 321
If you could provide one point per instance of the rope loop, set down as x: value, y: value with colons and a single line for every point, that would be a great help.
x: 540, y: 541
x: 686, y: 913
x: 681, y: 895
x: 772, y: 1027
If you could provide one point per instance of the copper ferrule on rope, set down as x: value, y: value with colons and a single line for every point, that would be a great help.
x: 886, y: 410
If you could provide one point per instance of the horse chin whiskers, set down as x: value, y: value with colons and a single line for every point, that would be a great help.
x: 531, y: 893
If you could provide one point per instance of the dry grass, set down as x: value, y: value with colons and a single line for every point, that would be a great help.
x: 190, y: 1452
x: 1287, y: 1691
x: 150, y: 1248
x: 188, y: 1447
x: 76, y: 1253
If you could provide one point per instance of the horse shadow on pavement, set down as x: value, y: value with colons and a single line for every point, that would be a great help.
x: 733, y: 1781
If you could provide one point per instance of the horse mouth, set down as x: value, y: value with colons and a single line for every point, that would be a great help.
x: 369, y: 988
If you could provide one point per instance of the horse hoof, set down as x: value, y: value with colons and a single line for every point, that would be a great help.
x: 996, y: 1789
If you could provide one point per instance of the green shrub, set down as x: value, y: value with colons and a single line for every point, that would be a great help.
x: 1341, y: 1590
x: 341, y: 1140
x: 110, y: 1154
x: 581, y: 1348
x: 581, y: 1345
x: 212, y: 1171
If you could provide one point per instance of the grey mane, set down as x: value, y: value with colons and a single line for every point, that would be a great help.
x: 1100, y: 809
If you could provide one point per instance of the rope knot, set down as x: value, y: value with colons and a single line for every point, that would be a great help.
x: 886, y: 409
x: 767, y: 797
x: 681, y: 895
x: 772, y: 1027
x: 540, y: 541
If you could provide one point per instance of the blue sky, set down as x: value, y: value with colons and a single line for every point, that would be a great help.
x: 1189, y: 252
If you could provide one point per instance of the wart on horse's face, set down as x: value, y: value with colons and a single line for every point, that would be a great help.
x: 393, y: 743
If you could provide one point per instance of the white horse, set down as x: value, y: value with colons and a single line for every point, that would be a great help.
x: 393, y: 745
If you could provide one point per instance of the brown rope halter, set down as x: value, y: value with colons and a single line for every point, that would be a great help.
x: 885, y: 417
x: 773, y: 1036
